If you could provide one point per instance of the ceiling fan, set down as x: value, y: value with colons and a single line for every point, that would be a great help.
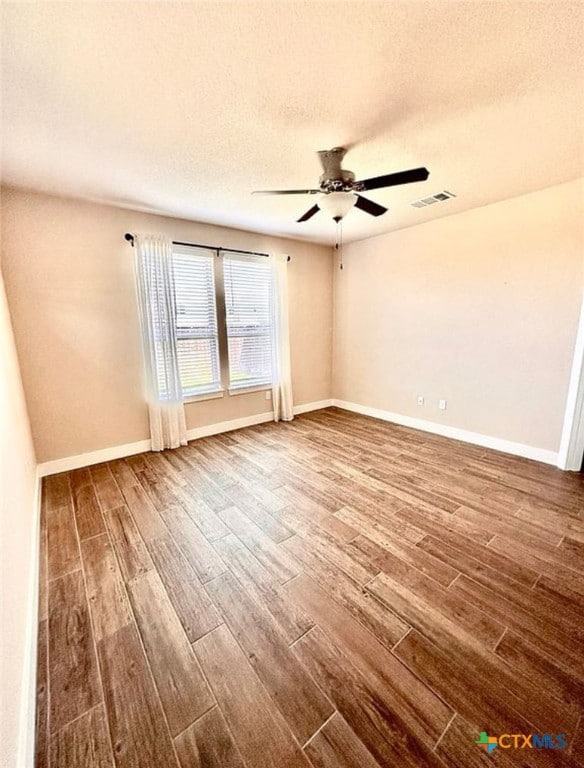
x: 339, y: 190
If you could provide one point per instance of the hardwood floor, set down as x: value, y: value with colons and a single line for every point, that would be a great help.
x: 335, y: 592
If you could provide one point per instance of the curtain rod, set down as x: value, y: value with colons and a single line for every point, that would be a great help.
x: 130, y: 238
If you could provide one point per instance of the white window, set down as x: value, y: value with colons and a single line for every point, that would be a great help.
x: 196, y: 321
x: 250, y: 320
x: 224, y: 321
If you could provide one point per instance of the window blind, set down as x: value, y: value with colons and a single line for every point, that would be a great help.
x: 196, y: 321
x: 249, y: 317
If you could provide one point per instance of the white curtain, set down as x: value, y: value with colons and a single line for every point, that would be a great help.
x: 282, y: 387
x: 154, y: 273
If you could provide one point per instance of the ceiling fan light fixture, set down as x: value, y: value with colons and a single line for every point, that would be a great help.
x: 337, y: 204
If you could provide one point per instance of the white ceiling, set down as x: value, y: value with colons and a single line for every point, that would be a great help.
x: 184, y: 108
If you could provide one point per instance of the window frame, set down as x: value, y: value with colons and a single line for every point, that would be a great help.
x: 217, y: 387
x: 218, y: 258
x: 253, y: 387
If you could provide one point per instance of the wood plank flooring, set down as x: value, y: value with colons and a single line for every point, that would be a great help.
x: 334, y: 592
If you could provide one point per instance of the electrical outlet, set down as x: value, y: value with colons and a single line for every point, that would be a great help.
x: 268, y: 394
x: 442, y: 405
x: 420, y: 400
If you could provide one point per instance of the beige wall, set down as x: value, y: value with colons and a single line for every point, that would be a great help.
x: 70, y: 285
x: 18, y: 520
x: 480, y: 308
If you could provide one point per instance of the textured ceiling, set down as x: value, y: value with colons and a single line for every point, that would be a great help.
x: 184, y: 108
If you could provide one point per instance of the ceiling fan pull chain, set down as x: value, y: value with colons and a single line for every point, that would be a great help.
x: 340, y: 241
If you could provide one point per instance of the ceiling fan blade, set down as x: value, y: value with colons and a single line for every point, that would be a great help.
x: 369, y: 206
x: 393, y: 179
x: 286, y: 192
x: 309, y: 214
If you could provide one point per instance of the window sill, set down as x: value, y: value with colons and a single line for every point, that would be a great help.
x: 250, y: 390
x: 205, y: 396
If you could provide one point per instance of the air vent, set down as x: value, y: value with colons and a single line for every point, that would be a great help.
x: 439, y: 197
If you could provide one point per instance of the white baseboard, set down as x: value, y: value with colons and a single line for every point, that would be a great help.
x: 130, y: 449
x: 316, y: 406
x: 229, y: 426
x: 93, y: 457
x: 26, y: 736
x: 250, y: 421
x: 486, y: 441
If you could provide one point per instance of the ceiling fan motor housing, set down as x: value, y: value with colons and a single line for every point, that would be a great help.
x: 344, y: 182
x: 334, y: 178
